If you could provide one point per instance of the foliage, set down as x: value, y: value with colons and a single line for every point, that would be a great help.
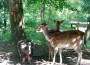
x: 6, y: 36
x: 5, y: 33
x: 86, y: 6
x: 54, y: 9
x: 67, y: 10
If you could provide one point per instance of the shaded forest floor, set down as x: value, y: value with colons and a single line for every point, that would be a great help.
x: 69, y: 57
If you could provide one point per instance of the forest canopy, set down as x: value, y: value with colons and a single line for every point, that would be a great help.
x: 48, y: 10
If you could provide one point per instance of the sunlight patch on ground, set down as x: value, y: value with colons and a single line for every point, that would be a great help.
x: 44, y: 62
x: 85, y: 62
x: 4, y: 62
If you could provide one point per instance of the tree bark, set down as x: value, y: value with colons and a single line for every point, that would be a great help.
x: 42, y: 11
x: 16, y: 20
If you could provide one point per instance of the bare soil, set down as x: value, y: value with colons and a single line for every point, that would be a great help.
x: 69, y: 57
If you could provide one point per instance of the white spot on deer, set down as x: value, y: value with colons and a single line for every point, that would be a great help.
x: 78, y: 37
x: 74, y: 40
x: 67, y: 45
x: 75, y: 45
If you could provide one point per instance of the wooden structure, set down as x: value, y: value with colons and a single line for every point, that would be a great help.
x: 82, y: 26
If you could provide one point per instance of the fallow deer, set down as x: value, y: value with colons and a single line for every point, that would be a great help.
x: 68, y: 39
x: 24, y: 50
x: 58, y: 24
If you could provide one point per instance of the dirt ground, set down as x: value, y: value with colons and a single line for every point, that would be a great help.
x: 69, y: 57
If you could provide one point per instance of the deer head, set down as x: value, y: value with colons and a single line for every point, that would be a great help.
x: 41, y: 27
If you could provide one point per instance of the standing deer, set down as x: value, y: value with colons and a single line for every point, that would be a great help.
x: 68, y: 39
x: 58, y: 24
x: 24, y: 50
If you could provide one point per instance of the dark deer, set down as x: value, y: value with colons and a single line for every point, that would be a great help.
x: 24, y: 50
x: 58, y: 24
x: 68, y: 39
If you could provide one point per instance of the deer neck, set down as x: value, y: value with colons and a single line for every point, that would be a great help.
x: 46, y: 34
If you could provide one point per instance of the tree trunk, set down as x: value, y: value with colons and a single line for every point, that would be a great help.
x: 16, y: 20
x: 42, y: 11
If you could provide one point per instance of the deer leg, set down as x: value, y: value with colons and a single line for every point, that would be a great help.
x: 79, y: 51
x: 23, y: 60
x: 50, y: 53
x: 87, y: 36
x: 55, y: 52
x: 60, y: 53
x: 29, y: 59
x: 49, y: 58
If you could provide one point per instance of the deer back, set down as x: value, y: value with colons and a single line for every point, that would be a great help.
x: 66, y: 38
